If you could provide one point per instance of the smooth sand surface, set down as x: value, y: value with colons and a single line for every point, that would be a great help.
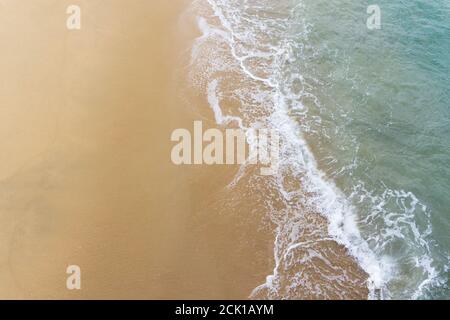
x: 85, y: 171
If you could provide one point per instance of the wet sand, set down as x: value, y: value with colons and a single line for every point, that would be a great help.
x: 85, y: 172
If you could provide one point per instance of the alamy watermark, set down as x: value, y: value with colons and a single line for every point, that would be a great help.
x: 73, y: 21
x: 213, y: 147
x: 73, y: 281
x: 374, y: 20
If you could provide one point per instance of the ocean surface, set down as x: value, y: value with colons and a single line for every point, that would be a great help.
x: 364, y: 117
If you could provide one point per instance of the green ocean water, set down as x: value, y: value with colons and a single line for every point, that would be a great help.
x: 364, y: 117
x: 381, y: 129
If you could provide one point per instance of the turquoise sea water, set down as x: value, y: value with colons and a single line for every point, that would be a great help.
x: 365, y: 120
x: 384, y: 134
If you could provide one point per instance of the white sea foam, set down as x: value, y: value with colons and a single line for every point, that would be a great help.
x: 214, y: 102
x: 254, y: 49
x: 296, y: 153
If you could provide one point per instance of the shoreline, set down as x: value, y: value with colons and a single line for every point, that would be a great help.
x: 298, y: 231
x: 87, y: 178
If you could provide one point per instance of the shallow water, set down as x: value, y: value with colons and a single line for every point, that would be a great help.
x: 364, y: 117
x: 384, y: 137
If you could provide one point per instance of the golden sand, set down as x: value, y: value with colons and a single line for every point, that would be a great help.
x: 85, y: 170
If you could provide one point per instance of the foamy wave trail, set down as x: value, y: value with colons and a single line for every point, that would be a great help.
x: 252, y: 61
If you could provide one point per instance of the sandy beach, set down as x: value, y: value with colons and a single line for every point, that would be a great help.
x: 85, y: 172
